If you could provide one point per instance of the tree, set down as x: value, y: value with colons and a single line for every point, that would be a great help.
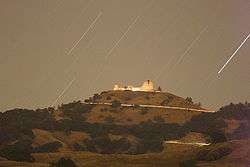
x: 198, y: 104
x: 116, y: 104
x: 159, y: 89
x: 63, y: 162
x: 158, y: 119
x: 217, y: 136
x: 96, y: 97
x: 212, y: 154
x: 67, y: 131
x: 189, y: 100
x: 87, y: 101
x: 144, y: 111
x: 188, y: 163
x: 19, y: 151
x: 136, y: 106
x: 48, y: 147
x: 51, y: 109
x: 109, y: 119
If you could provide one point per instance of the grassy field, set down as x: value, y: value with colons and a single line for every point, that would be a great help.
x: 129, y: 115
x: 171, y: 156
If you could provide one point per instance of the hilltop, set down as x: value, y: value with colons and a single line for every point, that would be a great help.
x: 115, y: 134
x: 136, y: 114
x: 149, y: 98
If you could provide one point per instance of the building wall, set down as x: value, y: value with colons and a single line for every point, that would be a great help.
x: 146, y: 86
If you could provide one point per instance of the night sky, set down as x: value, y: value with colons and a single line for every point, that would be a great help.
x: 179, y: 44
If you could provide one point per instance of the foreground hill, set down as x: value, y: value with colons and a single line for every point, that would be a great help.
x: 174, y: 156
x: 95, y: 134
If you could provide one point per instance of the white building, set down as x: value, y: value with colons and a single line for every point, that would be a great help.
x: 147, y: 86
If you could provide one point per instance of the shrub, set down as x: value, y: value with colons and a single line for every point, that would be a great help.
x: 217, y: 136
x: 158, y: 119
x: 104, y: 92
x: 120, y: 145
x: 159, y: 89
x: 103, y: 109
x: 136, y: 106
x: 188, y: 163
x: 189, y: 100
x: 167, y: 100
x: 63, y: 162
x: 109, y: 119
x: 213, y: 154
x: 198, y: 104
x: 235, y: 111
x: 127, y: 98
x: 75, y: 110
x: 48, y: 147
x: 143, y: 112
x: 67, y: 131
x: 28, y: 119
x: 114, y: 110
x: 209, y: 124
x: 116, y: 104
x: 20, y: 151
x: 96, y: 97
x: 79, y: 147
x: 103, y: 144
x: 242, y: 132
x: 90, y: 145
x: 87, y: 100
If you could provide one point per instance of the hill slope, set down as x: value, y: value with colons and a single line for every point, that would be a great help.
x: 76, y: 129
x: 136, y: 115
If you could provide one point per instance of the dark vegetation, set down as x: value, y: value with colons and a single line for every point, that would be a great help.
x: 212, y: 124
x: 109, y: 119
x: 158, y: 119
x: 209, y: 124
x: 75, y: 110
x: 238, y: 111
x: 104, y: 145
x: 20, y: 122
x: 167, y: 100
x: 212, y: 154
x: 104, y: 109
x: 189, y: 100
x: 19, y: 151
x: 48, y: 147
x: 188, y: 163
x: 64, y: 162
x: 16, y: 131
x: 159, y: 89
x: 144, y: 111
x: 116, y: 104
